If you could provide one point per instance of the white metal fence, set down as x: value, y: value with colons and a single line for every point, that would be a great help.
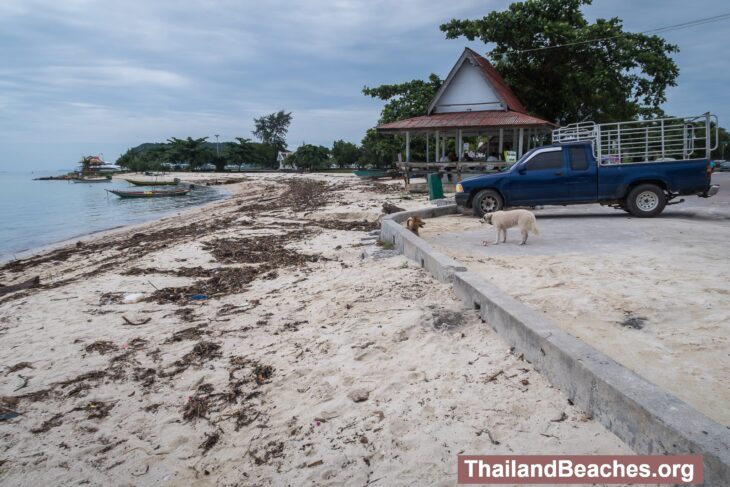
x: 662, y: 139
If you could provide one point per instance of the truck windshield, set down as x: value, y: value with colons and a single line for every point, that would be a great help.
x: 524, y: 157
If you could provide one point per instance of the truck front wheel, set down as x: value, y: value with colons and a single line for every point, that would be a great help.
x: 487, y: 201
x: 646, y: 200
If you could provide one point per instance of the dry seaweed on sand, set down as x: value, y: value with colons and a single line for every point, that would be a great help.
x: 95, y: 375
x: 95, y: 254
x: 202, y: 352
x: 263, y: 373
x: 119, y: 365
x: 145, y: 375
x: 102, y: 347
x: 137, y: 343
x: 264, y: 454
x: 8, y: 403
x: 190, y: 333
x: 211, y: 439
x: 19, y: 366
x: 53, y: 422
x: 96, y: 409
x: 263, y: 249
x: 195, y: 407
x: 348, y: 225
x: 180, y: 272
x: 245, y: 415
x: 225, y: 281
x: 35, y: 396
x: 186, y: 314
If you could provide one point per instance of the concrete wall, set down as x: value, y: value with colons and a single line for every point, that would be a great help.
x: 439, y: 265
x: 646, y: 417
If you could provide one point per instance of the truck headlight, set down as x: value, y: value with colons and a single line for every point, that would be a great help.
x: 459, y: 188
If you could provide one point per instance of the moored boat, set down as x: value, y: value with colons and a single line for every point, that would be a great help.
x: 139, y: 182
x: 91, y: 180
x: 375, y: 173
x: 150, y: 193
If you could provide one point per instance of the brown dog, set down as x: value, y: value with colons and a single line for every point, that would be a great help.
x: 414, y: 223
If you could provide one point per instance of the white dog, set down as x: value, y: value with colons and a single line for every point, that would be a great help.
x: 502, y: 220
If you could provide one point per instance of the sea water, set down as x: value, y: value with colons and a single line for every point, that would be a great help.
x: 34, y: 214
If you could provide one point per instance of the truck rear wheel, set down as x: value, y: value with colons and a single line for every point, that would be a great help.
x: 646, y: 201
x: 487, y: 201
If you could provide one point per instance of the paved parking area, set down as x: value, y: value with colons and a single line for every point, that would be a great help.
x: 654, y: 294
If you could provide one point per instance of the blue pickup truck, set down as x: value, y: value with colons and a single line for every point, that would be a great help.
x: 568, y: 173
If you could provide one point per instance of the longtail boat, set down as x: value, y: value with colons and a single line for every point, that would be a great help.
x: 151, y: 193
x: 139, y: 182
x: 91, y: 180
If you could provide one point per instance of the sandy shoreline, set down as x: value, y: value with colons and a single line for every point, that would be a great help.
x: 305, y: 363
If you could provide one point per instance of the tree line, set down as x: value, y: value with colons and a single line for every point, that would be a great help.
x: 271, y: 131
x: 194, y: 153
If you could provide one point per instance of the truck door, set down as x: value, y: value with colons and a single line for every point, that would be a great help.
x: 539, y: 179
x: 581, y: 179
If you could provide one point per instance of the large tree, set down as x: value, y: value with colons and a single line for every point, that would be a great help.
x: 310, y: 157
x: 241, y: 153
x: 194, y: 152
x: 405, y: 100
x: 272, y: 129
x: 566, y: 69
x: 345, y: 153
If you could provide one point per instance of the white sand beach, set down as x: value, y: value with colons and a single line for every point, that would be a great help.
x: 305, y: 364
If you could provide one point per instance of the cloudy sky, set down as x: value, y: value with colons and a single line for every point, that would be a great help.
x: 84, y: 77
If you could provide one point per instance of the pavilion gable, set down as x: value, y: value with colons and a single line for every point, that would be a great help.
x: 474, y: 85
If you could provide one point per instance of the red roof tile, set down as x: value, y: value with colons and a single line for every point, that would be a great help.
x: 462, y: 120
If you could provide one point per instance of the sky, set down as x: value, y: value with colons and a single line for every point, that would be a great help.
x: 82, y: 77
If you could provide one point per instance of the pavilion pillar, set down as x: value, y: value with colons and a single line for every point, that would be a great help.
x: 501, y: 144
x: 458, y: 144
x: 522, y: 140
x: 408, y: 147
x: 514, y: 139
x: 428, y: 151
x: 438, y: 137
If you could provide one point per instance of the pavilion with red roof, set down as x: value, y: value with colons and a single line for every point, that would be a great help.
x: 475, y: 103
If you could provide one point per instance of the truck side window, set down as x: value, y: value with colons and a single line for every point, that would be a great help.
x: 546, y: 160
x: 578, y: 159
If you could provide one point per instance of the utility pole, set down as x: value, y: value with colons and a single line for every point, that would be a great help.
x: 217, y: 153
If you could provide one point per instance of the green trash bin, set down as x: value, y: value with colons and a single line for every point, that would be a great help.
x: 435, y: 188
